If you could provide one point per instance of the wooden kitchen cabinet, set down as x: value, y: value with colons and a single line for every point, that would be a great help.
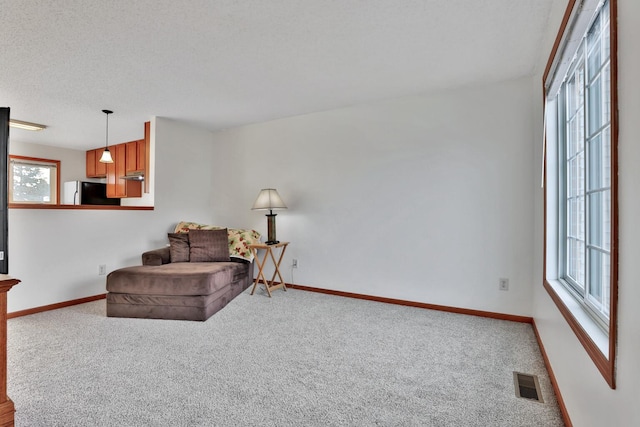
x: 95, y: 169
x: 131, y: 156
x: 129, y: 159
x: 118, y: 187
x: 135, y: 158
x: 91, y: 163
x: 146, y: 157
x: 141, y: 159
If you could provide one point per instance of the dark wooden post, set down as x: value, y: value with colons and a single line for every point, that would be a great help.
x: 6, y: 405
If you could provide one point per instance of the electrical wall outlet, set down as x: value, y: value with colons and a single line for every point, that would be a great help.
x: 503, y: 284
x: 294, y: 263
x: 102, y: 269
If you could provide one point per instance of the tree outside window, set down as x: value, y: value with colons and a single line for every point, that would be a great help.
x: 33, y: 180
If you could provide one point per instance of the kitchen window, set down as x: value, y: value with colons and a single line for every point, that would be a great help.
x: 34, y: 180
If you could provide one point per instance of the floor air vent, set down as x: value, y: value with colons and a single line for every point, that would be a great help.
x: 527, y: 386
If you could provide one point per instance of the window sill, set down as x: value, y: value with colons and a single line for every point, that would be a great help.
x: 79, y: 207
x: 580, y: 314
x: 591, y: 336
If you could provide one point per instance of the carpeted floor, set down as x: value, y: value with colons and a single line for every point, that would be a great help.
x: 297, y: 359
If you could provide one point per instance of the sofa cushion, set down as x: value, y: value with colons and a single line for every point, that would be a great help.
x: 208, y: 245
x: 179, y: 247
x: 185, y: 307
x: 157, y: 257
x: 239, y: 239
x: 193, y: 278
x: 166, y: 300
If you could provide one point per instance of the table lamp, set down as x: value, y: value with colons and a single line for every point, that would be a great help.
x: 269, y: 199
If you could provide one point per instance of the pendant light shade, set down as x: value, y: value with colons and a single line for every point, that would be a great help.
x: 106, y: 154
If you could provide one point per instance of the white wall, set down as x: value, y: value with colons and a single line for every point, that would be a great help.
x: 72, y: 162
x: 588, y: 398
x: 56, y: 253
x: 423, y: 198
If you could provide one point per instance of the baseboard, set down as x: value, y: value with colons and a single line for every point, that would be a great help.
x: 552, y: 377
x: 489, y: 314
x: 55, y: 306
x: 492, y: 315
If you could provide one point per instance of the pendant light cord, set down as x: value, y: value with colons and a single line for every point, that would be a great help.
x: 106, y: 142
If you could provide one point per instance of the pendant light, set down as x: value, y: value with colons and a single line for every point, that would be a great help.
x: 106, y: 154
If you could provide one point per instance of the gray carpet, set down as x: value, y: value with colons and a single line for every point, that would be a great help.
x: 297, y: 359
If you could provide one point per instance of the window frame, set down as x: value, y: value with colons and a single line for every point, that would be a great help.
x: 26, y: 159
x: 562, y: 293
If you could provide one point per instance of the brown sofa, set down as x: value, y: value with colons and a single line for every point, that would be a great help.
x: 160, y: 289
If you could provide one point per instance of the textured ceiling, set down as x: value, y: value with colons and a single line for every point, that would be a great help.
x: 225, y: 63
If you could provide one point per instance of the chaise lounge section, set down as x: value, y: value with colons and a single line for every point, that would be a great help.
x: 172, y: 285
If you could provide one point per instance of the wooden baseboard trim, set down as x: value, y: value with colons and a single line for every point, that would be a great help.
x: 7, y: 411
x: 552, y: 377
x: 492, y: 315
x: 55, y: 306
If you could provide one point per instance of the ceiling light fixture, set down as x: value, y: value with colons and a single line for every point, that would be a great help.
x: 19, y: 124
x: 106, y: 154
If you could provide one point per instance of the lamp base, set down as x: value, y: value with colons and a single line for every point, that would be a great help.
x: 271, y: 229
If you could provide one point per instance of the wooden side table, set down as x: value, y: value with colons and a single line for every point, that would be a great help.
x: 270, y: 285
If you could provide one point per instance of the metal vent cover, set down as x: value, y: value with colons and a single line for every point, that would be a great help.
x: 527, y: 386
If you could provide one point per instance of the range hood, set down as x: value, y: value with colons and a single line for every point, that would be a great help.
x: 134, y: 176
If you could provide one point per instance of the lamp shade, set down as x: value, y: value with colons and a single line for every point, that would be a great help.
x: 268, y: 199
x: 106, y: 157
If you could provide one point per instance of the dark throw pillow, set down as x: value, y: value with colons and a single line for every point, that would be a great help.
x: 208, y: 245
x: 179, y: 247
